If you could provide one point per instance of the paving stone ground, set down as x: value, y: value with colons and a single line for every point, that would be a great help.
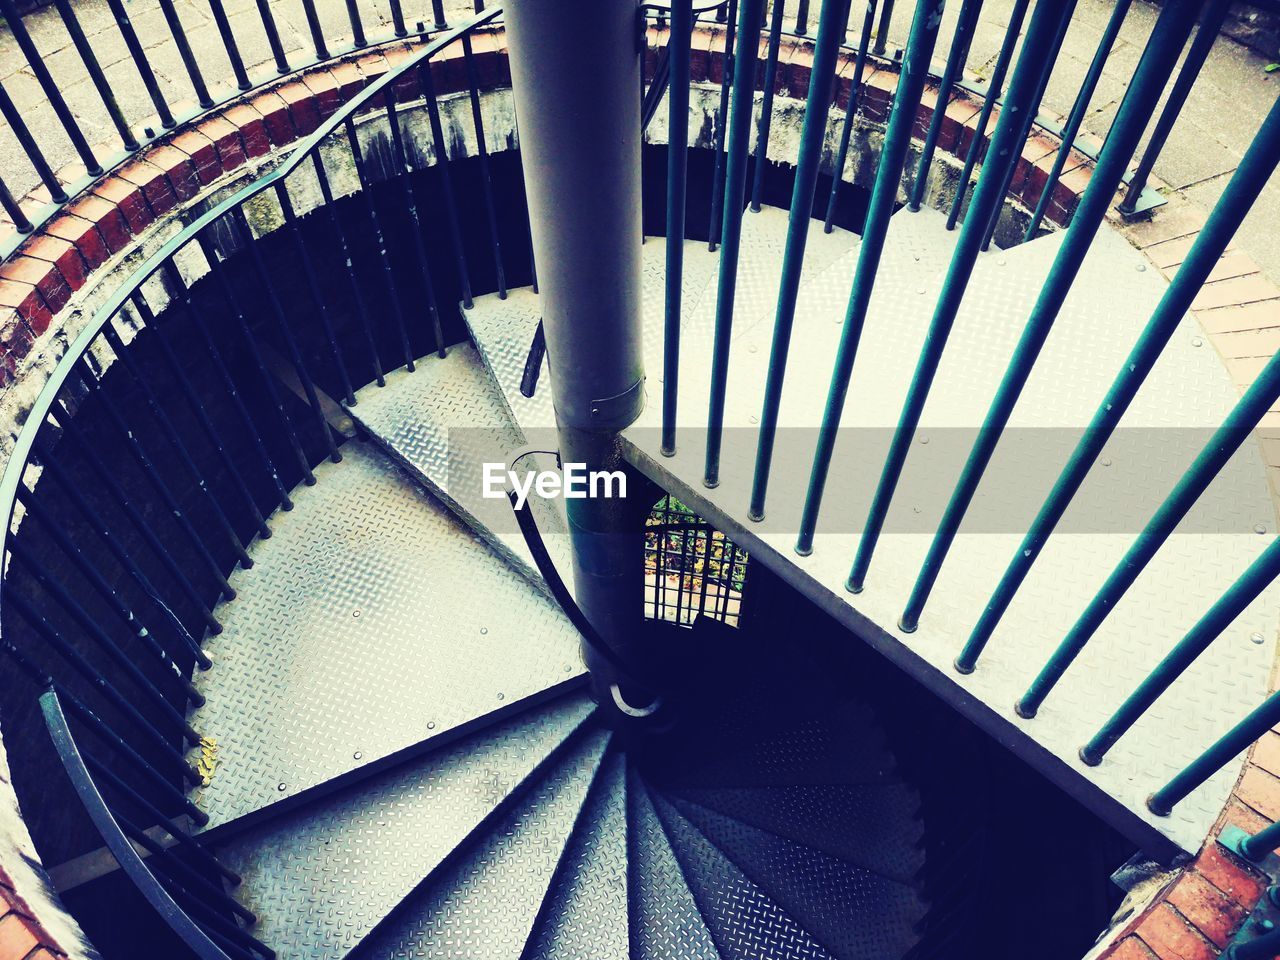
x: 1231, y: 97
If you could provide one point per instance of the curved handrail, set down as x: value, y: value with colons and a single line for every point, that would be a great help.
x: 113, y: 835
x: 19, y: 456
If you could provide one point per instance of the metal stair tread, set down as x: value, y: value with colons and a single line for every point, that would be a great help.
x: 666, y: 923
x: 321, y: 878
x: 485, y: 904
x: 365, y: 578
x: 585, y: 910
x: 744, y: 922
x: 444, y: 421
x: 852, y: 911
x: 873, y: 825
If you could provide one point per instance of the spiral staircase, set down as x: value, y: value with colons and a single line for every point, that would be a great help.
x: 288, y: 679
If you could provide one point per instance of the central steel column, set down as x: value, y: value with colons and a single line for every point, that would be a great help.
x: 575, y: 71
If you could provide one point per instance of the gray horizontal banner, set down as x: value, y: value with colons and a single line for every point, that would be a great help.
x: 1136, y: 471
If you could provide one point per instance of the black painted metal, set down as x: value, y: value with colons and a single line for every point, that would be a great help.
x: 388, y: 275
x: 402, y: 161
x: 446, y: 181
x: 191, y: 933
x: 482, y: 155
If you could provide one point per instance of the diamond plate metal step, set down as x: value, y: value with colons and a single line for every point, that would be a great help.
x: 320, y: 879
x: 665, y: 921
x: 1189, y: 390
x: 483, y: 906
x: 585, y: 911
x: 443, y: 422
x: 875, y: 826
x: 355, y: 636
x: 503, y: 329
x: 744, y: 922
x: 852, y: 911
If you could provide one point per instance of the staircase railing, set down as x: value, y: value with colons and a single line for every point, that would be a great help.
x: 137, y: 498
x: 1019, y: 103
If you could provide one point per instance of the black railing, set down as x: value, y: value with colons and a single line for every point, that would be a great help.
x: 142, y: 475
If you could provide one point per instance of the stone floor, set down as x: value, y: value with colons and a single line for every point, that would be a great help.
x: 1226, y: 107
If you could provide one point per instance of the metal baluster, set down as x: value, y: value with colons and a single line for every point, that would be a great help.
x: 357, y: 27
x: 660, y: 561
x: 106, y: 480
x: 1257, y: 165
x: 397, y: 19
x: 437, y: 11
x: 176, y: 442
x: 1078, y: 110
x: 882, y: 31
x: 446, y: 182
x: 404, y: 171
x: 831, y: 23
x: 29, y: 147
x: 1196, y: 56
x: 677, y: 192
x: 708, y: 536
x: 1235, y: 429
x: 482, y: 155
x: 802, y: 18
x: 317, y: 31
x: 313, y: 285
x: 273, y: 36
x: 240, y: 224
x: 1259, y: 720
x: 154, y: 478
x: 994, y: 87
x: 216, y: 267
x: 1171, y: 29
x: 953, y: 70
x: 1045, y: 27
x: 344, y: 251
x: 104, y: 773
x: 163, y: 861
x: 12, y: 209
x: 393, y: 295
x: 850, y: 110
x: 104, y: 590
x: 99, y: 79
x: 162, y: 744
x: 766, y: 102
x: 104, y: 733
x: 1028, y: 122
x: 1233, y: 602
x: 735, y: 182
x: 139, y: 57
x: 893, y: 157
x: 196, y: 314
x: 185, y: 52
x: 228, y: 43
x: 202, y: 415
x: 1257, y: 847
x: 101, y: 639
x: 1265, y: 946
x: 52, y: 93
x: 722, y: 115
x: 230, y: 939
